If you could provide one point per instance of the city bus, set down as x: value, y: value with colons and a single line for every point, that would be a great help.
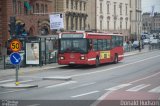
x: 87, y: 48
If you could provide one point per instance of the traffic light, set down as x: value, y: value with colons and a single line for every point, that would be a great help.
x: 20, y: 29
x: 12, y: 25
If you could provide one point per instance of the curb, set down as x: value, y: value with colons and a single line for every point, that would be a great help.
x: 21, y: 86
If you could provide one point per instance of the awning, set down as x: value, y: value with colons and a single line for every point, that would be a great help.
x: 27, y: 5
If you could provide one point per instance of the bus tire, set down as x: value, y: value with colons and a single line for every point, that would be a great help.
x: 115, y: 59
x: 97, y: 62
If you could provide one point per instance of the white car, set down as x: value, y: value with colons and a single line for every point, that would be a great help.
x: 146, y: 41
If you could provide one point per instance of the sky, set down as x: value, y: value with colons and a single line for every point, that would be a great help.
x: 147, y: 4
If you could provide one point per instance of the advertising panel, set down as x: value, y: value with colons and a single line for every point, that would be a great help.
x: 56, y: 21
x: 32, y: 53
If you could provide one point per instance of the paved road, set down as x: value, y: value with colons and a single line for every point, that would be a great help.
x: 135, y: 75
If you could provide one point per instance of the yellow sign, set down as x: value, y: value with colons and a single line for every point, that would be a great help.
x: 15, y: 45
x: 105, y: 54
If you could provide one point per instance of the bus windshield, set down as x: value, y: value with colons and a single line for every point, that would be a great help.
x: 75, y: 45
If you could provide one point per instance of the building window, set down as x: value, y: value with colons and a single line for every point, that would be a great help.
x: 114, y: 24
x: 37, y: 8
x: 100, y: 7
x: 67, y: 3
x: 14, y: 7
x: 107, y: 25
x: 71, y: 4
x: 114, y: 8
x: 101, y: 25
x: 19, y: 7
x: 84, y: 6
x: 67, y: 22
x: 80, y: 5
x: 33, y: 9
x: 46, y: 9
x: 120, y: 6
x: 42, y: 8
x: 76, y: 3
x: 120, y: 24
x: 126, y: 25
x: 126, y: 9
x: 108, y: 8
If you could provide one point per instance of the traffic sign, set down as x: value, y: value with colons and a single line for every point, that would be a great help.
x: 15, y: 45
x: 15, y: 58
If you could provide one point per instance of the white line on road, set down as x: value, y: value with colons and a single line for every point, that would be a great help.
x: 5, y: 81
x: 155, y: 90
x: 101, y: 98
x: 138, y: 88
x: 80, y: 95
x: 95, y: 72
x: 62, y: 84
x: 118, y: 87
x: 144, y: 78
x: 34, y: 105
x: 83, y: 85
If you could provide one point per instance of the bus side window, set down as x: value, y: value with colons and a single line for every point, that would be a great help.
x: 108, y: 44
x: 90, y: 44
x: 113, y: 41
x: 95, y: 45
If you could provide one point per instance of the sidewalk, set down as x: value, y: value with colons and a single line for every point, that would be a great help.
x: 28, y: 70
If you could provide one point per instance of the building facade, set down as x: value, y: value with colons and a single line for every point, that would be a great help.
x: 114, y: 16
x: 74, y: 12
x: 32, y: 13
x: 136, y: 19
x: 151, y: 24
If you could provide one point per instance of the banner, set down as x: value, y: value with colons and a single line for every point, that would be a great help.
x: 32, y: 53
x: 56, y: 21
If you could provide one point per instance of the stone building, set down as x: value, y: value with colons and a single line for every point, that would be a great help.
x: 74, y: 12
x: 114, y: 16
x: 151, y: 24
x: 33, y: 13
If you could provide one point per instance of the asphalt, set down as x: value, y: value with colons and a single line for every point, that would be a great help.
x: 31, y: 70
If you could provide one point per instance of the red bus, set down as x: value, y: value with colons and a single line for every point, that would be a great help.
x: 84, y: 48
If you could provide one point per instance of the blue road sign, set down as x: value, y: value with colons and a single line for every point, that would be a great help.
x: 15, y: 58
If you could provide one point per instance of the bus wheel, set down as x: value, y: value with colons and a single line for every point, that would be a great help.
x: 115, y: 59
x: 97, y: 62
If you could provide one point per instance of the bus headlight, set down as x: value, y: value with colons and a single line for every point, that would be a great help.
x: 82, y: 58
x: 62, y: 58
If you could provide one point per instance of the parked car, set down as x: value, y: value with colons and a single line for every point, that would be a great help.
x: 136, y: 44
x: 146, y: 41
x: 22, y: 64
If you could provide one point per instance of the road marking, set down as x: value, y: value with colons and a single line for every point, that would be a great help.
x: 155, y: 90
x: 34, y: 105
x: 62, y: 84
x: 101, y: 98
x: 144, y: 78
x: 80, y: 95
x: 95, y: 72
x: 138, y: 88
x: 83, y: 85
x: 12, y: 91
x: 118, y: 87
x: 5, y: 81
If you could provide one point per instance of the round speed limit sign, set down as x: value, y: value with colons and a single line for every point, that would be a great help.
x: 15, y: 45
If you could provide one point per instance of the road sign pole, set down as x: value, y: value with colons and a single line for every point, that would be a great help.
x: 17, y: 82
